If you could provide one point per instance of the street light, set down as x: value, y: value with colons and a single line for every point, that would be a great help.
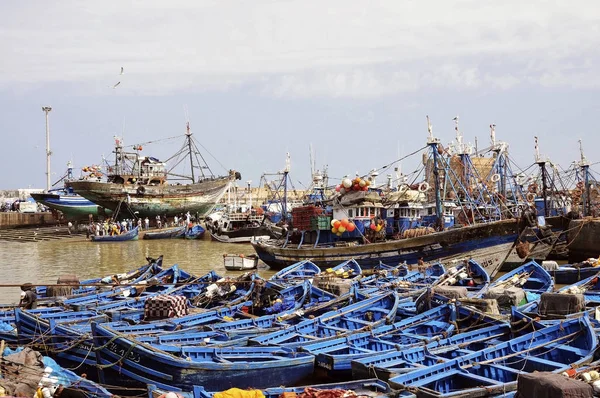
x: 47, y: 110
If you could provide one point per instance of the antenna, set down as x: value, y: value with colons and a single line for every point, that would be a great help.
x: 584, y: 161
x: 47, y: 110
x: 537, y: 150
x: 459, y: 136
x: 429, y: 128
x: 287, y: 163
x: 493, y: 134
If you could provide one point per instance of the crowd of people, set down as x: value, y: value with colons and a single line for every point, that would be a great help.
x: 110, y: 227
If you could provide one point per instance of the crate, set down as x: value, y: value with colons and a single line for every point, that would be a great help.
x: 320, y: 222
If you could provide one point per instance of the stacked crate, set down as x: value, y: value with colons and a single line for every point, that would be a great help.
x: 320, y: 222
x: 302, y: 216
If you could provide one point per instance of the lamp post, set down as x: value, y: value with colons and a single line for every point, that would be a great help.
x: 47, y: 110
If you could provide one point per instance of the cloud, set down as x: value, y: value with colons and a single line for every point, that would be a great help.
x: 298, y: 48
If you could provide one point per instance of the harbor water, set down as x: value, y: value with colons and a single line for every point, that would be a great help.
x: 43, y: 262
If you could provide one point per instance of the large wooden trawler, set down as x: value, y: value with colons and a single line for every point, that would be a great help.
x: 138, y: 184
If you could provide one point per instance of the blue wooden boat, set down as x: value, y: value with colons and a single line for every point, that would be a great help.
x: 32, y: 330
x: 72, y: 344
x: 569, y: 274
x: 170, y: 233
x: 468, y: 274
x: 363, y: 388
x: 482, y: 333
x: 350, y: 267
x: 589, y: 287
x: 296, y: 272
x: 144, y: 272
x: 426, y: 329
x: 495, y: 369
x: 401, y: 278
x: 530, y: 277
x: 129, y: 235
x: 368, y: 313
x: 196, y: 232
x: 183, y: 367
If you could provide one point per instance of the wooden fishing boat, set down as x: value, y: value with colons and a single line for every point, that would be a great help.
x: 363, y: 388
x: 170, y: 233
x: 129, y: 235
x: 569, y: 274
x: 240, y: 262
x: 195, y: 232
x: 182, y: 367
x: 139, y: 184
x: 483, y: 241
x: 296, y: 272
x: 432, y: 328
x: 468, y: 274
x: 368, y: 313
x: 495, y: 369
x: 144, y: 272
x: 520, y: 286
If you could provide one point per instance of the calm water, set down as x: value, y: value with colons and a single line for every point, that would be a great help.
x: 44, y: 262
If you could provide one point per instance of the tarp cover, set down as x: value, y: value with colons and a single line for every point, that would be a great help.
x: 551, y: 385
x: 452, y: 292
x: 561, y: 304
x: 165, y: 306
x: 506, y: 296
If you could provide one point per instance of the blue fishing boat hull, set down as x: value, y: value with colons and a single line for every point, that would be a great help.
x: 166, y: 234
x: 567, y: 275
x: 196, y: 232
x: 214, y: 368
x: 129, y: 235
x: 485, y: 241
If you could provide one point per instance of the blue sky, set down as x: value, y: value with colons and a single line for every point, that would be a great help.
x: 262, y: 78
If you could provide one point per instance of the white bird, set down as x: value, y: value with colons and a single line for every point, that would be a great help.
x: 122, y: 71
x: 115, y: 86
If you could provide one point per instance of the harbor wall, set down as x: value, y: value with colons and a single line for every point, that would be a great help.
x: 16, y: 219
x: 583, y: 239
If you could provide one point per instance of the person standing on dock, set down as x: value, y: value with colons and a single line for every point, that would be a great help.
x: 147, y: 221
x: 139, y: 224
x: 158, y: 222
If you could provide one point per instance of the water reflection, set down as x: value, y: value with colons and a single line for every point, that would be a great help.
x: 43, y: 262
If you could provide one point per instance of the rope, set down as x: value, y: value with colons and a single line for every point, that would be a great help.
x: 110, y: 365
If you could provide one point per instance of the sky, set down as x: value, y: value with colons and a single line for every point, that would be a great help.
x: 258, y: 79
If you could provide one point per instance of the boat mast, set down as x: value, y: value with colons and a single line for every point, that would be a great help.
x: 542, y: 164
x: 47, y: 109
x: 433, y: 143
x: 499, y: 148
x: 585, y: 171
x: 286, y: 171
x: 188, y: 134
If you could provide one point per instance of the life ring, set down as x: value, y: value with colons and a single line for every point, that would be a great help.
x: 495, y: 177
x: 424, y: 186
x: 532, y: 188
x: 530, y: 197
x: 577, y: 192
x: 141, y: 190
x: 580, y: 185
